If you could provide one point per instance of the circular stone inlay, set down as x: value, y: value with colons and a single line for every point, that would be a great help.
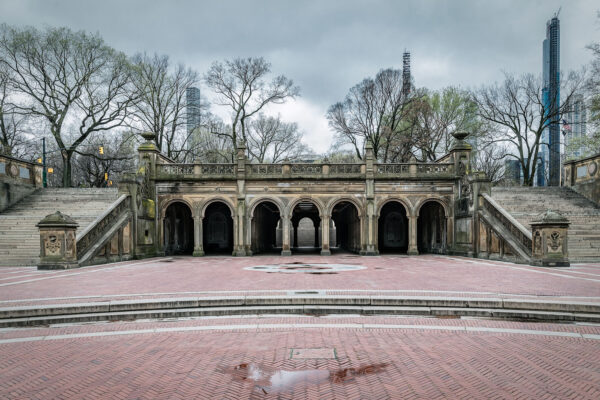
x: 306, y: 268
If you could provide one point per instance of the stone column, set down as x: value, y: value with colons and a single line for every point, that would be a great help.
x: 198, y: 239
x: 412, y: 236
x: 295, y: 226
x: 549, y: 240
x: 325, y: 235
x: 285, y: 236
x: 58, y: 243
x: 316, y: 226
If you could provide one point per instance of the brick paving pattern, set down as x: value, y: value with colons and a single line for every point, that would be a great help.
x: 176, y: 277
x: 426, y: 364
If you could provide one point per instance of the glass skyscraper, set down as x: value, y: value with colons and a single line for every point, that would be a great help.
x: 550, y: 149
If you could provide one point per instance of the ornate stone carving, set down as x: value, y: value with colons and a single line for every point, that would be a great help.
x: 266, y: 169
x: 592, y: 168
x: 344, y: 169
x: 52, y: 246
x: 555, y: 242
x: 394, y: 169
x: 307, y: 169
x: 537, y: 244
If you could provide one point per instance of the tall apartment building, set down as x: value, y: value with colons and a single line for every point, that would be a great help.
x: 574, y: 126
x: 193, y: 115
x: 550, y: 153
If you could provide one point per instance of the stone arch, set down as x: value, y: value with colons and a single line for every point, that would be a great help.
x: 405, y: 203
x: 263, y: 227
x: 348, y: 219
x: 331, y: 205
x: 293, y: 204
x: 167, y: 203
x: 212, y: 200
x: 255, y: 202
x: 392, y: 225
x: 440, y: 200
x: 432, y: 227
x: 177, y: 223
x: 217, y: 228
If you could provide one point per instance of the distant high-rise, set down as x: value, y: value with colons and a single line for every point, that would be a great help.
x: 192, y: 97
x: 574, y: 126
x: 406, y: 79
x: 551, y: 98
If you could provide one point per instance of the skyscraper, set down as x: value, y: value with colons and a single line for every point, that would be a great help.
x: 192, y: 109
x: 192, y: 97
x: 551, y: 98
x: 574, y: 126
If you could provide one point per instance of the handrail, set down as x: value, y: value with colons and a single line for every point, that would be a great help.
x: 87, y: 237
x: 508, y: 221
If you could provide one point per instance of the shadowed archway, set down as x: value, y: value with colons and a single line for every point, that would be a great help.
x: 264, y: 228
x: 393, y: 228
x: 347, y: 224
x: 178, y: 228
x: 217, y: 228
x: 431, y: 228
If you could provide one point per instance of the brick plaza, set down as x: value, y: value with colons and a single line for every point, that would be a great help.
x: 251, y: 357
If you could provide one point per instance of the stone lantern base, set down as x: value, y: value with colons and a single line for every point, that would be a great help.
x: 58, y: 243
x: 549, y: 240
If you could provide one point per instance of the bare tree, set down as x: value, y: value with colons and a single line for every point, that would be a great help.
x: 68, y: 78
x: 436, y: 115
x: 161, y: 106
x: 97, y: 170
x: 490, y: 159
x: 11, y: 123
x: 241, y: 84
x: 271, y: 139
x: 518, y: 113
x: 372, y: 111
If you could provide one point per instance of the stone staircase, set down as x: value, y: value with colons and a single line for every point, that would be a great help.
x: 19, y: 237
x: 525, y: 203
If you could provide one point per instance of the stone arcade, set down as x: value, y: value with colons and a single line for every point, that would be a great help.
x: 244, y: 208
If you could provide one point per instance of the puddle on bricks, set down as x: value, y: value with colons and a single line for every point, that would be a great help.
x: 306, y: 268
x: 269, y: 380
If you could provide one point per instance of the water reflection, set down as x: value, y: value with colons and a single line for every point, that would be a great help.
x: 268, y: 380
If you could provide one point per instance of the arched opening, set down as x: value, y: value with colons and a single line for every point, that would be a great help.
x: 264, y: 228
x: 178, y: 228
x: 306, y: 228
x: 347, y: 224
x: 393, y: 228
x: 217, y: 228
x: 431, y: 228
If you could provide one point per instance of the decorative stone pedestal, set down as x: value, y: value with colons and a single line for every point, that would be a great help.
x: 549, y: 240
x: 58, y: 243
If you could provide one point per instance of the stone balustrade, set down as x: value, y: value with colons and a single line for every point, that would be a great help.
x: 280, y: 171
x: 583, y: 176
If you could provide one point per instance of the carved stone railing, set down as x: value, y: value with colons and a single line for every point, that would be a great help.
x: 20, y: 170
x: 520, y: 233
x: 266, y: 169
x: 306, y: 169
x: 175, y: 169
x: 345, y: 169
x: 392, y: 169
x: 96, y: 230
x: 435, y: 169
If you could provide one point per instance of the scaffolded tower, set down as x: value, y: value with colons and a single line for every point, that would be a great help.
x: 406, y: 73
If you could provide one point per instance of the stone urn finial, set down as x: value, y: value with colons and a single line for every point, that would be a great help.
x: 149, y: 136
x: 460, y: 135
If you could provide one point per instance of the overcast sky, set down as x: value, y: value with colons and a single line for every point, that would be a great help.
x: 326, y: 47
